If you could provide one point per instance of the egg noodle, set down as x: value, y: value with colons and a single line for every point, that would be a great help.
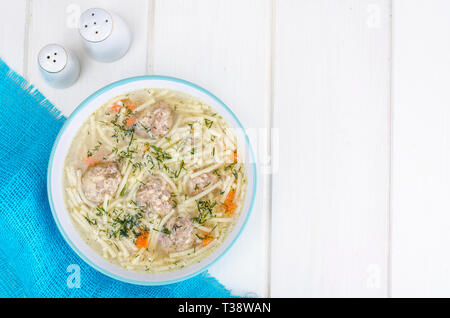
x: 154, y: 180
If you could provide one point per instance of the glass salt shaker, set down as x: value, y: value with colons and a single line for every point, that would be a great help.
x: 105, y: 35
x: 59, y: 66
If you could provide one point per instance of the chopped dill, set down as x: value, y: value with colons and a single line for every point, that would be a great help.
x: 230, y: 166
x: 208, y: 123
x: 124, y: 189
x: 91, y: 152
x: 205, y: 210
x: 91, y: 221
x: 124, y: 225
x: 166, y: 231
x: 100, y: 211
x: 159, y: 154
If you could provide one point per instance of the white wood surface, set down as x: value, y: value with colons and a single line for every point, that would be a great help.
x: 13, y: 17
x: 331, y: 104
x: 358, y: 201
x: 221, y: 45
x: 421, y: 149
x: 193, y: 40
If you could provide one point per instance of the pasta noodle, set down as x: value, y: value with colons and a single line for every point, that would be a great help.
x: 153, y: 181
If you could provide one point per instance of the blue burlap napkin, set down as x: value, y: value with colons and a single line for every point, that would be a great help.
x: 34, y: 258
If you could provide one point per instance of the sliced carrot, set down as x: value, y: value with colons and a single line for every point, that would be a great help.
x: 146, y: 147
x: 129, y: 104
x: 130, y: 121
x: 208, y: 238
x: 116, y: 108
x: 230, y: 196
x: 95, y: 157
x: 229, y: 205
x: 89, y: 160
x: 142, y: 240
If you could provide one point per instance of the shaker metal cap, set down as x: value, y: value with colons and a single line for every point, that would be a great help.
x: 52, y: 58
x: 95, y: 25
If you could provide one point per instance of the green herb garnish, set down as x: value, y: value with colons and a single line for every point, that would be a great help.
x: 166, y: 231
x: 208, y: 122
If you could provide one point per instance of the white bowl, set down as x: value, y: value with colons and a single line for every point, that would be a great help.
x: 64, y: 140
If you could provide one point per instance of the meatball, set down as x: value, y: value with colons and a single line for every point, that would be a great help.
x: 155, y: 122
x: 177, y: 235
x: 154, y: 196
x: 199, y: 183
x: 100, y: 180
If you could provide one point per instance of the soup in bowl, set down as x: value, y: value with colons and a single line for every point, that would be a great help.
x: 151, y: 180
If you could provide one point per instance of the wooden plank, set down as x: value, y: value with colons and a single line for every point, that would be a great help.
x: 421, y: 149
x: 331, y: 108
x: 13, y: 17
x: 55, y: 21
x: 224, y: 46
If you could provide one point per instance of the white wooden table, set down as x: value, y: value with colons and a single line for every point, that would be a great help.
x: 353, y: 197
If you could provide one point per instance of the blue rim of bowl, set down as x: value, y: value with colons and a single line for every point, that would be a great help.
x: 66, y: 124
